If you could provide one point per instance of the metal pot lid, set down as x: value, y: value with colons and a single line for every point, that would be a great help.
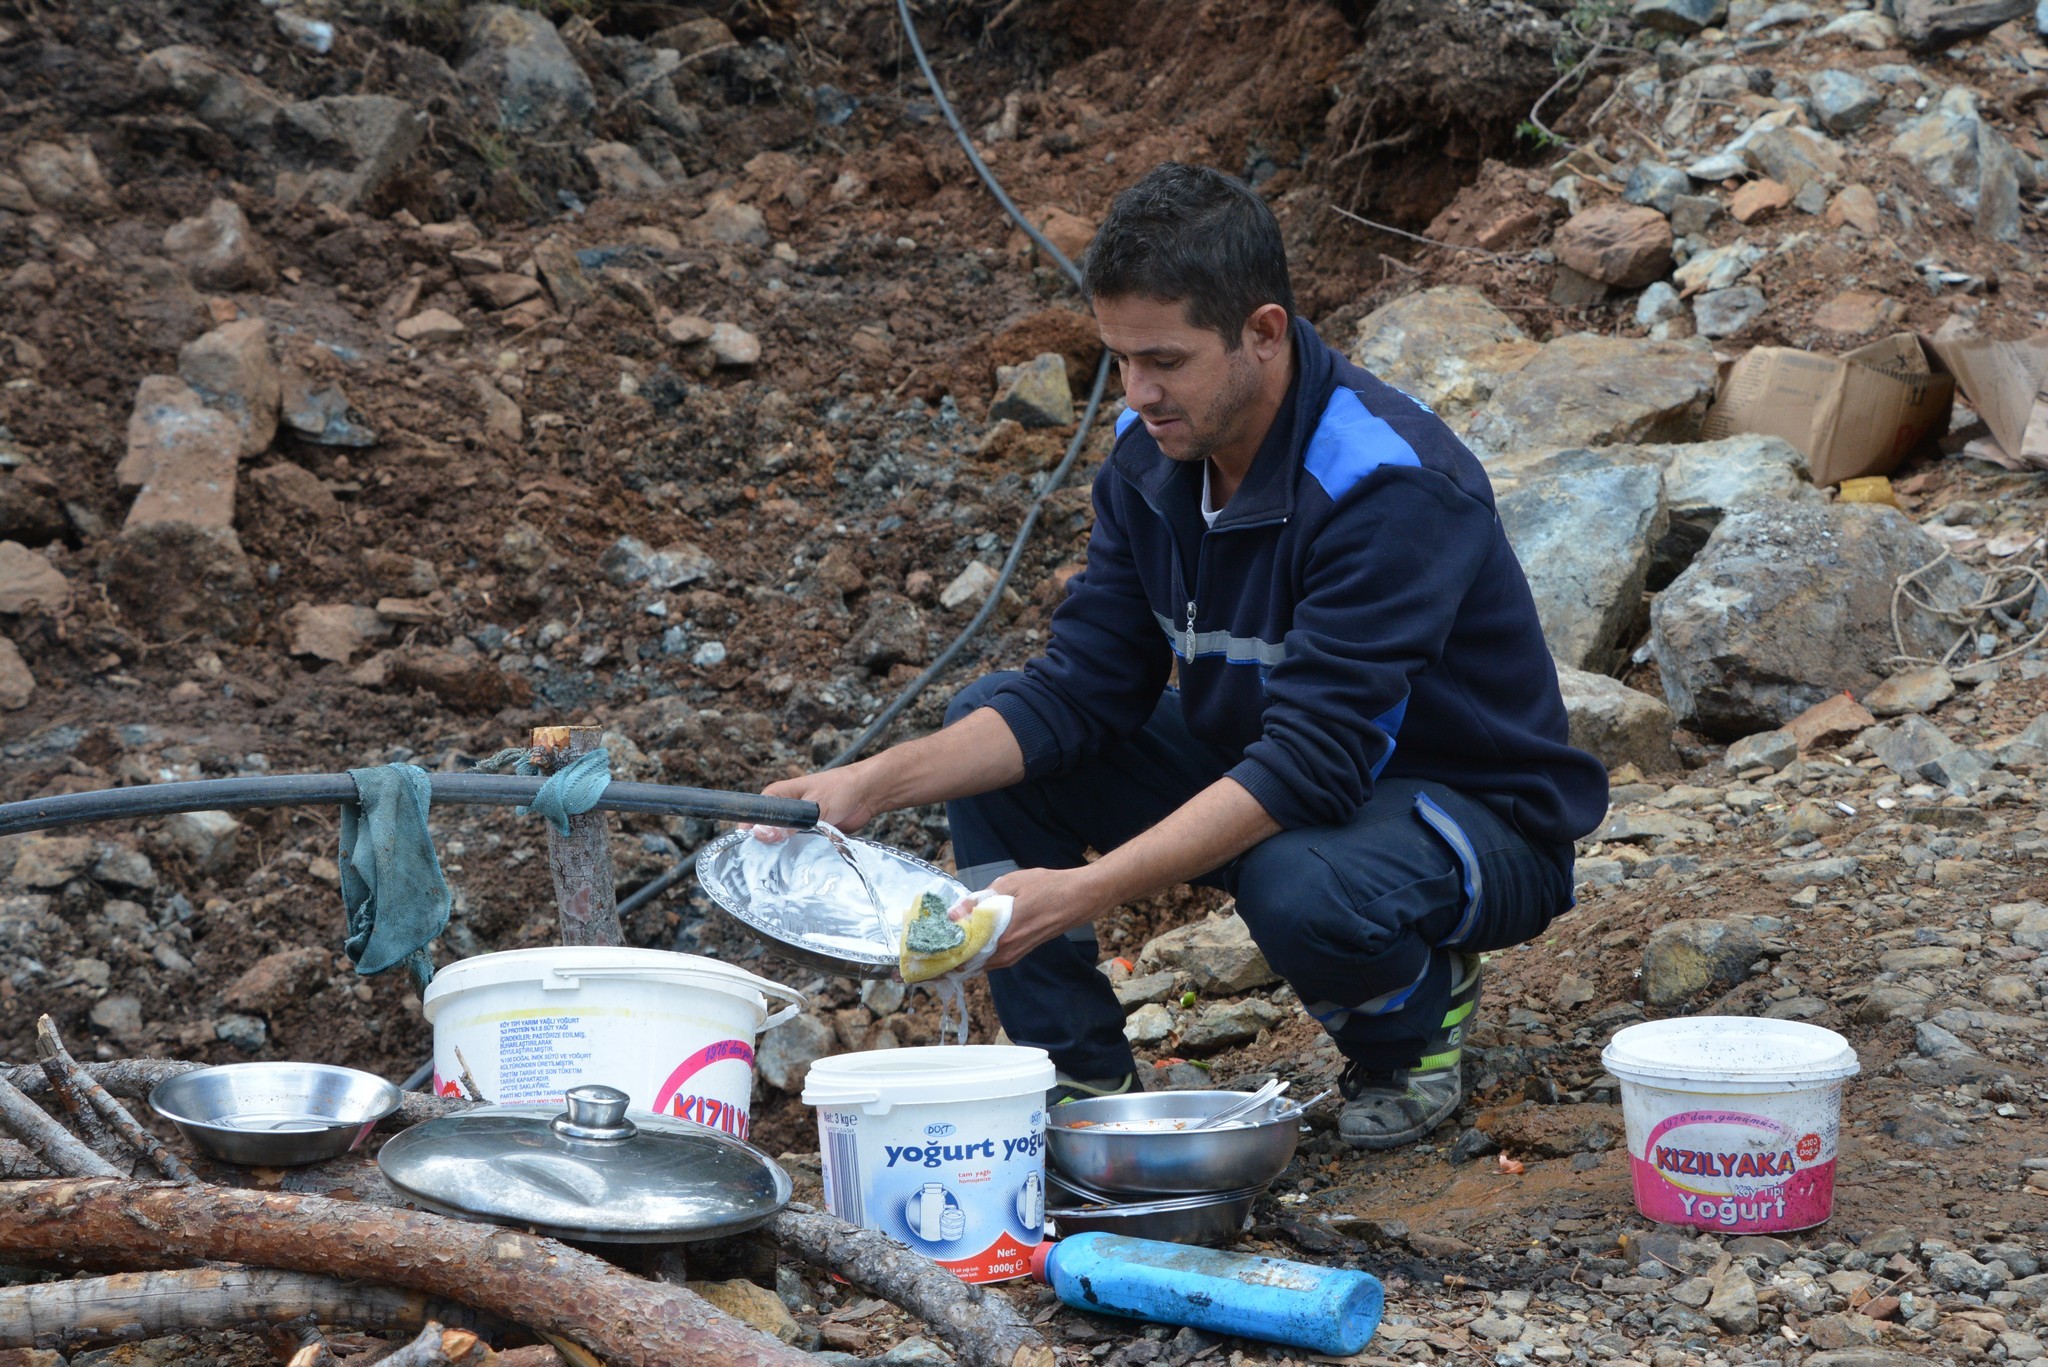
x: 587, y: 1172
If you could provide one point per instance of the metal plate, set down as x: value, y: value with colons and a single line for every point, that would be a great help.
x: 672, y: 1181
x: 800, y: 897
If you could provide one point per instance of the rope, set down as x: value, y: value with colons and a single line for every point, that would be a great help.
x: 571, y: 790
x: 1970, y: 616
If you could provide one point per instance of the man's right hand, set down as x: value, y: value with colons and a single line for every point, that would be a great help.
x: 842, y: 795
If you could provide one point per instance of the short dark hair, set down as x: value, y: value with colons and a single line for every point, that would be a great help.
x: 1196, y: 236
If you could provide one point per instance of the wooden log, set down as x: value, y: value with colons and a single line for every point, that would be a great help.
x: 135, y: 1078
x: 581, y: 862
x: 78, y: 1111
x: 984, y: 1329
x: 540, y: 1283
x: 51, y: 1142
x: 436, y: 1346
x: 1931, y: 25
x: 17, y: 1161
x: 68, y: 1078
x: 146, y: 1304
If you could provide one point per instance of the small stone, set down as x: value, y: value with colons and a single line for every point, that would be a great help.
x: 733, y: 346
x: 971, y: 585
x: 1683, y: 17
x: 1626, y: 246
x: 1659, y: 303
x: 65, y: 177
x: 336, y: 632
x: 1919, y: 689
x: 1767, y: 749
x: 687, y: 329
x: 431, y: 325
x: 1836, y: 1332
x: 296, y: 490
x: 915, y: 1352
x: 1217, y: 952
x: 1692, y: 215
x: 1143, y: 988
x: 276, y: 981
x: 726, y: 220
x: 1956, y: 1271
x: 1733, y: 1305
x: 1719, y: 269
x: 1034, y: 394
x: 1757, y: 198
x: 785, y: 1055
x: 117, y: 1016
x: 51, y: 861
x: 1683, y: 958
x: 28, y: 581
x: 17, y: 684
x: 1655, y: 186
x: 1228, y: 1024
x: 1844, y: 101
x: 621, y: 170
x: 220, y: 250
x: 1830, y: 721
x: 208, y: 838
x: 1856, y: 313
x: 321, y: 412
x: 1907, y: 745
x: 121, y: 867
x: 231, y: 368
x: 1854, y: 206
x: 1796, y: 157
x: 1149, y: 1024
x: 631, y: 561
x: 246, y: 1033
x: 1723, y: 313
x: 182, y: 457
x: 501, y: 289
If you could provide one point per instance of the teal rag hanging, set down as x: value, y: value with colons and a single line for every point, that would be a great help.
x: 571, y: 790
x: 391, y: 883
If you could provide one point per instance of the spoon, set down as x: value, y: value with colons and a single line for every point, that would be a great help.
x: 1245, y: 1107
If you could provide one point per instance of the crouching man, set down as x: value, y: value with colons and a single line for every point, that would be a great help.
x: 1364, y: 743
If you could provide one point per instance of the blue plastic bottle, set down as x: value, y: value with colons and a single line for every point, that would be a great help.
x: 1324, y: 1309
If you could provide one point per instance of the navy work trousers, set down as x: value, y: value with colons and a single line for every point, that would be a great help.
x: 1360, y: 918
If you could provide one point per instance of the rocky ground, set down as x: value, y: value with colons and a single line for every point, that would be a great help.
x: 385, y: 377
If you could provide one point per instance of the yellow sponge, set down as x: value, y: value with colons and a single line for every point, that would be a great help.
x: 924, y: 964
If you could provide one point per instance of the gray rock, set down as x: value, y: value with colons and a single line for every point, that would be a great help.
x: 1705, y: 481
x: 1733, y: 1305
x: 971, y: 585
x: 1967, y: 160
x: 246, y: 1033
x: 1224, y: 1025
x: 1769, y: 749
x: 891, y: 633
x: 207, y: 838
x: 1907, y: 745
x: 785, y: 1054
x: 51, y: 861
x: 916, y: 1352
x: 519, y: 72
x: 1658, y: 303
x: 2020, y: 1260
x: 1448, y: 348
x: 1957, y: 1271
x: 1918, y: 689
x: 1842, y: 100
x: 1615, y: 723
x: 883, y: 996
x: 117, y: 1016
x: 346, y: 147
x: 1656, y: 186
x: 1788, y: 605
x: 1035, y: 394
x: 240, y: 106
x: 1684, y: 958
x: 1149, y: 1024
x: 1718, y: 166
x: 1719, y: 269
x: 732, y: 346
x: 631, y: 561
x: 1583, y: 524
x: 1679, y: 16
x: 1723, y: 313
x: 1217, y: 952
x: 1692, y: 215
x: 65, y: 177
x: 322, y: 413
x: 1960, y: 771
x: 1145, y: 988
x: 1497, y: 1327
x: 1587, y: 390
x: 1806, y: 872
x: 124, y: 868
x: 1866, y: 1357
x: 220, y: 250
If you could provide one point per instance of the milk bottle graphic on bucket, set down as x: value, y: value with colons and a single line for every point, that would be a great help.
x: 941, y: 1148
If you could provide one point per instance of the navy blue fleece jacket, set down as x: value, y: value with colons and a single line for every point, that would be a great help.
x: 1355, y: 612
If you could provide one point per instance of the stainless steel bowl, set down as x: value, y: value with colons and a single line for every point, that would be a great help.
x: 1164, y: 1161
x: 274, y: 1115
x: 1215, y: 1220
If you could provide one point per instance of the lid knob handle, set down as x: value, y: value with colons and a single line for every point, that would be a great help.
x: 595, y: 1112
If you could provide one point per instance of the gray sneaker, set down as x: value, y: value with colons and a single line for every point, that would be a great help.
x: 1386, y: 1110
x: 1065, y: 1089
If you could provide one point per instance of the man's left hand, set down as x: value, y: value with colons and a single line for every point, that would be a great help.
x: 1045, y: 904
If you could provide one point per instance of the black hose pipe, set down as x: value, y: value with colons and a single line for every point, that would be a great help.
x: 295, y: 790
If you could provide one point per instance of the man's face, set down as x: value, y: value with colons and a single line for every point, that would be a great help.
x: 1194, y: 396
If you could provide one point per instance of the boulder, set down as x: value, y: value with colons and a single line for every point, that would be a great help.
x: 1583, y: 524
x: 1587, y: 390
x: 1447, y: 347
x: 28, y: 581
x: 1705, y: 481
x: 1964, y: 158
x: 240, y: 106
x: 1788, y: 604
x: 179, y: 578
x: 1623, y: 245
x: 17, y: 685
x: 182, y: 456
x: 232, y: 370
x: 220, y: 250
x: 1217, y: 952
x: 1615, y: 723
x: 1034, y: 394
x: 65, y: 177
x: 519, y: 73
x: 345, y: 147
x: 1684, y: 958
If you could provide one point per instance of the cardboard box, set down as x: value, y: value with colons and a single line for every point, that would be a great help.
x: 2007, y: 383
x: 1851, y: 415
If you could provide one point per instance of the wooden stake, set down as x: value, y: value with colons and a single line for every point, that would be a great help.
x: 51, y: 1142
x: 581, y: 862
x: 541, y: 1283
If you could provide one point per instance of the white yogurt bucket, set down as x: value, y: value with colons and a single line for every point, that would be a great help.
x: 1732, y: 1121
x: 675, y: 1032
x: 940, y: 1148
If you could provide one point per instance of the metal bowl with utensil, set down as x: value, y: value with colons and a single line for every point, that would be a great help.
x: 1147, y: 1144
x: 1215, y: 1219
x: 274, y: 1115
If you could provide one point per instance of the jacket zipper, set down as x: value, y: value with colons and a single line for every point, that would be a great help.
x: 1180, y: 570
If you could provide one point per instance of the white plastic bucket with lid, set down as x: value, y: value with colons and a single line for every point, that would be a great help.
x: 1732, y: 1121
x: 673, y: 1031
x: 942, y: 1148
